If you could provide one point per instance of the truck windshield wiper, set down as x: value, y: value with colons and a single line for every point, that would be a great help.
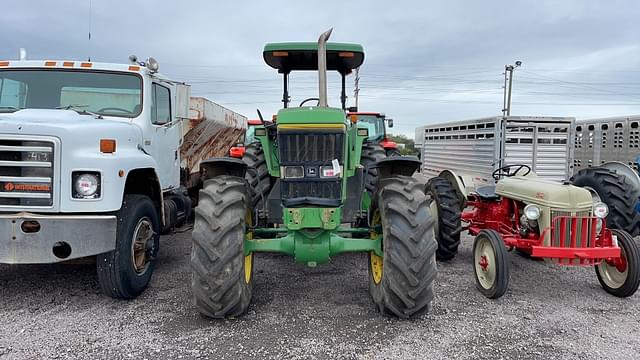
x: 8, y: 107
x: 79, y: 109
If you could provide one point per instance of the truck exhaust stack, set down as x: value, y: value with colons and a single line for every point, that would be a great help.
x: 322, y: 67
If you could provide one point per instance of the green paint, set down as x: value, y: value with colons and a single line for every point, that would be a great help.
x: 312, y: 46
x: 311, y: 115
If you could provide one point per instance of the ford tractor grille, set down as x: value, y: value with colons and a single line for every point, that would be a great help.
x: 311, y: 165
x: 26, y: 173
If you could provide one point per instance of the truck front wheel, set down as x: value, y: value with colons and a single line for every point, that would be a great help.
x: 125, y: 272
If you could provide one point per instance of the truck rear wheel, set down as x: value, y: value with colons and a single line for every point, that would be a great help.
x: 445, y: 207
x: 621, y: 277
x: 125, y: 272
x: 221, y: 273
x: 258, y: 174
x: 615, y: 191
x: 401, y: 282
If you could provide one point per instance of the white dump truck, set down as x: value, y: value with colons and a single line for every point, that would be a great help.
x: 98, y: 159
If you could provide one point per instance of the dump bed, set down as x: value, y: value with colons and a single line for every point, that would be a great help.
x: 209, y: 132
x: 607, y: 139
x: 479, y: 146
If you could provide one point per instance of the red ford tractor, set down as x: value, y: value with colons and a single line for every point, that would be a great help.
x: 539, y: 218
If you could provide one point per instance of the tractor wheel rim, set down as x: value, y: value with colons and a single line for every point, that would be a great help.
x: 611, y: 274
x: 140, y: 253
x: 485, y: 263
x: 376, y: 262
x: 434, y: 213
x: 248, y: 259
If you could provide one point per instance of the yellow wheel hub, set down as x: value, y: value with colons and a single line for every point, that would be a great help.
x: 248, y: 260
x: 375, y: 261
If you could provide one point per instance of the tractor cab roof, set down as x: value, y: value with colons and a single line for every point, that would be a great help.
x: 287, y: 57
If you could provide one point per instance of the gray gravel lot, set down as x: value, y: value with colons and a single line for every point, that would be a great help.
x: 56, y: 311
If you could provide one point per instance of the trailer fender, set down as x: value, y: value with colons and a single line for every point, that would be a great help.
x: 213, y: 167
x: 397, y: 165
x: 626, y: 171
x: 464, y: 184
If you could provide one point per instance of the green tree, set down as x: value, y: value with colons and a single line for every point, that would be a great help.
x: 409, y: 145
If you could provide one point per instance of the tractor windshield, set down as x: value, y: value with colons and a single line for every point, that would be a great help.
x: 378, y: 124
x: 104, y: 93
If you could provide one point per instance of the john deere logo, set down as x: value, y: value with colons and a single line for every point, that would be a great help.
x: 9, y: 186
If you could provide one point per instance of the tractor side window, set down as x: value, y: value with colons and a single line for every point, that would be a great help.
x: 161, y: 106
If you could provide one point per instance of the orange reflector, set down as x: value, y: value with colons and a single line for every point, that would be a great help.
x: 134, y: 68
x: 237, y: 152
x: 121, y: 173
x: 67, y: 63
x: 346, y: 54
x: 107, y: 146
x: 4, y: 63
x: 354, y: 118
x: 86, y: 65
x: 49, y: 63
x: 274, y: 118
x: 280, y: 53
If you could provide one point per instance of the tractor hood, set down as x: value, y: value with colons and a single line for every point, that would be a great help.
x: 533, y: 190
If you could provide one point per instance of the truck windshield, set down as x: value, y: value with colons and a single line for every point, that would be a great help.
x: 104, y: 93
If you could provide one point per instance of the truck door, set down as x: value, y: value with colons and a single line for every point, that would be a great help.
x: 167, y: 135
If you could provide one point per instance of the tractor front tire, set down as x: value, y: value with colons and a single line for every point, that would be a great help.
x: 615, y: 191
x: 125, y: 272
x: 401, y: 281
x: 445, y: 207
x: 618, y: 282
x: 221, y: 273
x: 491, y: 264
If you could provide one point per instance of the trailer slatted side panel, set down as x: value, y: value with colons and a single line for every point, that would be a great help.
x: 478, y: 147
x: 610, y: 139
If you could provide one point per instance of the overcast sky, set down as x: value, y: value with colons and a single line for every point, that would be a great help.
x: 425, y: 61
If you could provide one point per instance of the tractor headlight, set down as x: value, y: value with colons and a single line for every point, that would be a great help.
x: 86, y: 185
x: 293, y: 172
x: 599, y: 223
x: 532, y: 212
x: 600, y: 210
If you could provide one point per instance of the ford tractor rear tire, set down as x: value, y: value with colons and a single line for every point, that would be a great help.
x: 125, y: 272
x: 221, y: 273
x: 615, y: 191
x: 257, y: 174
x: 445, y: 207
x: 401, y: 281
x: 621, y: 279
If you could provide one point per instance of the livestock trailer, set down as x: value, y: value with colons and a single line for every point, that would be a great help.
x: 477, y: 147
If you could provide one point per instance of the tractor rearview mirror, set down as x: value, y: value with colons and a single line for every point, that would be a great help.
x: 389, y: 123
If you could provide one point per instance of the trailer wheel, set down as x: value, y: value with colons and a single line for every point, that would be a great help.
x: 445, y: 207
x: 615, y: 191
x: 621, y: 277
x: 258, y: 174
x: 125, y: 272
x: 401, y: 281
x: 490, y: 264
x: 222, y: 275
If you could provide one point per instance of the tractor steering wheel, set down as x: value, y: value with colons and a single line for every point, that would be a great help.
x: 506, y: 171
x: 309, y: 99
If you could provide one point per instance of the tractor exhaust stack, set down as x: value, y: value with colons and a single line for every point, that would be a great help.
x: 322, y: 68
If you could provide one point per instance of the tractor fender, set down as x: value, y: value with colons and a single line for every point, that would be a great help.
x: 397, y: 165
x: 463, y: 184
x: 625, y: 170
x: 213, y: 167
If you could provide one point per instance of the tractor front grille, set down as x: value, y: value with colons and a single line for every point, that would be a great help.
x: 313, y: 150
x: 26, y: 173
x: 575, y: 230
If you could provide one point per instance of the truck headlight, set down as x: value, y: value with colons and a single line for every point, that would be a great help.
x: 86, y: 185
x: 532, y: 212
x: 600, y: 210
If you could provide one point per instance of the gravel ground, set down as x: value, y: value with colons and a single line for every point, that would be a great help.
x: 56, y: 311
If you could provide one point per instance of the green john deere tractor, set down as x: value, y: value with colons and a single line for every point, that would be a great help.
x: 301, y: 190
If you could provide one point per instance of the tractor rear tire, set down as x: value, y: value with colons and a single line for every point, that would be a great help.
x: 492, y: 278
x: 371, y: 153
x: 621, y: 283
x: 615, y: 191
x: 257, y: 174
x: 221, y: 273
x: 401, y: 284
x: 445, y: 208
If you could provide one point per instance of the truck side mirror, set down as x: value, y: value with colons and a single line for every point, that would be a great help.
x: 183, y: 94
x: 389, y: 123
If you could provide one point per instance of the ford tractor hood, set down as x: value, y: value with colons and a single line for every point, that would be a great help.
x: 531, y: 189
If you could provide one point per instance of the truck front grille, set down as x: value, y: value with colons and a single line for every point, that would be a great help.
x: 26, y: 173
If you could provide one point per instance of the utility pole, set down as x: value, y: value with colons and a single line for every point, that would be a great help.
x: 508, y: 75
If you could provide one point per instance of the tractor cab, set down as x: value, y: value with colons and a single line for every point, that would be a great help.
x: 377, y: 124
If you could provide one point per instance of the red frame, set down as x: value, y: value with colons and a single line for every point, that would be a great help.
x: 503, y: 216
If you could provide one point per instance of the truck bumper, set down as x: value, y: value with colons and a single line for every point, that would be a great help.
x: 27, y: 238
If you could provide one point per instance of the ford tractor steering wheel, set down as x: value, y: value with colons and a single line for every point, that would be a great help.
x: 506, y: 171
x: 309, y: 99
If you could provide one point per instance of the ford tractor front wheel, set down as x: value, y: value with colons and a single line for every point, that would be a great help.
x: 222, y: 274
x: 401, y: 280
x: 621, y: 277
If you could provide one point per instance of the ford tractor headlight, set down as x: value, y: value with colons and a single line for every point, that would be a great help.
x: 86, y: 185
x: 600, y: 210
x: 532, y: 212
